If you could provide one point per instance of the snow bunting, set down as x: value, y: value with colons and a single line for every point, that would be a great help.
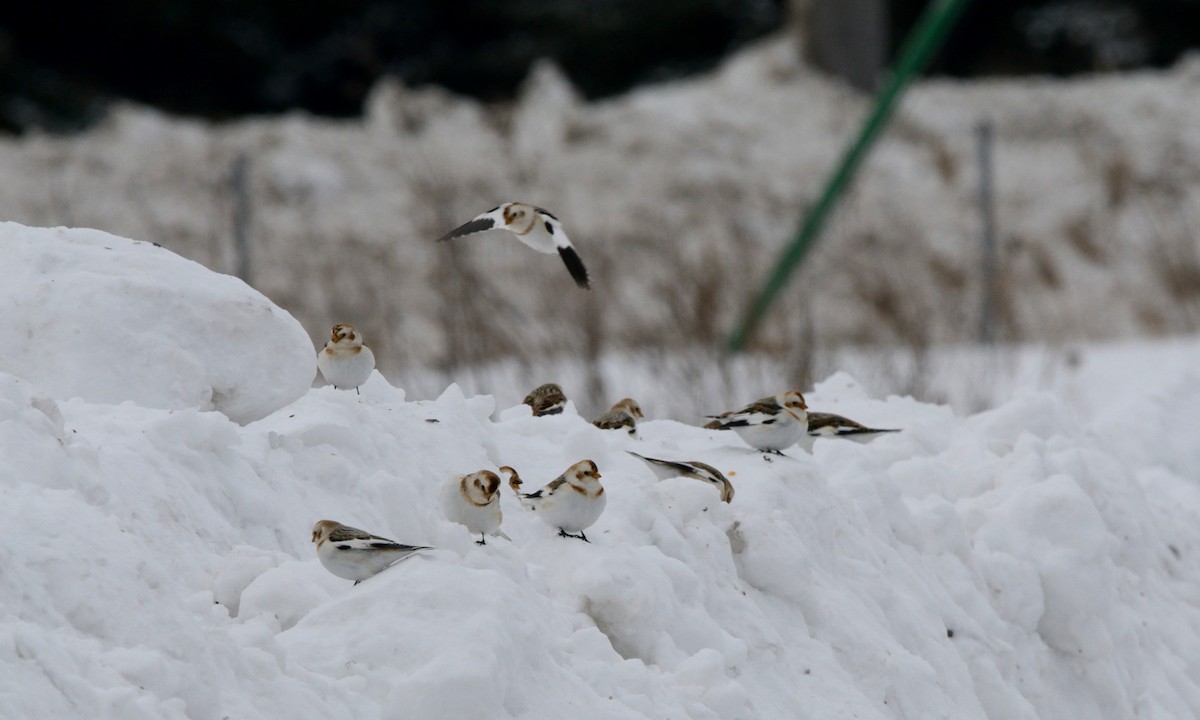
x: 474, y: 500
x: 533, y: 226
x: 547, y: 399
x: 829, y: 425
x: 769, y: 424
x: 571, y: 502
x: 345, y: 362
x: 624, y: 414
x: 354, y: 554
x: 666, y: 469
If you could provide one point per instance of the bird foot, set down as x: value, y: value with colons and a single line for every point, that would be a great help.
x: 580, y: 536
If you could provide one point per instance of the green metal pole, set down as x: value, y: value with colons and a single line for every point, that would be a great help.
x: 920, y: 45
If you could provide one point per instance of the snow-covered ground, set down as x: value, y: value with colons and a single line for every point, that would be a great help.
x: 1033, y: 560
x: 679, y: 198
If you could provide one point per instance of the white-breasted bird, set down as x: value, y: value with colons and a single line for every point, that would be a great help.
x: 533, y: 226
x: 547, y: 399
x: 356, y: 554
x: 623, y: 415
x: 474, y: 501
x: 666, y: 469
x: 572, y: 502
x: 769, y: 424
x: 830, y: 425
x: 345, y: 362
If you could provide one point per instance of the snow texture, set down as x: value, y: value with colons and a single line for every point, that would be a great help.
x: 1022, y: 562
x: 107, y: 319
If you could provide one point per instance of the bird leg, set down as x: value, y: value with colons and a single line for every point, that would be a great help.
x: 482, y: 540
x: 580, y: 536
x: 356, y: 391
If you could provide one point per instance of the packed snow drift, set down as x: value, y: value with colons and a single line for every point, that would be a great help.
x: 1022, y: 562
x: 104, y: 318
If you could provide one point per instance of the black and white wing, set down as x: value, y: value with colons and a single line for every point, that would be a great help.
x: 489, y: 220
x: 348, y: 538
x: 764, y: 411
x: 566, y: 250
x: 831, y: 425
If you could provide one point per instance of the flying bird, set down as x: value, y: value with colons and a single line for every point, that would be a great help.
x: 666, y: 469
x: 533, y: 226
x: 547, y: 399
x: 355, y: 554
x: 769, y: 424
x: 345, y: 362
x: 572, y: 502
x: 474, y: 501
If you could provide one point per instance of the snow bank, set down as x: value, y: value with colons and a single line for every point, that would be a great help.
x: 1011, y: 564
x: 111, y: 320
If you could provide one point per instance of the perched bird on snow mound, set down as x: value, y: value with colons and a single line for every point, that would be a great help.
x: 355, y: 554
x: 769, y: 424
x: 533, y: 226
x: 474, y: 501
x: 345, y: 362
x: 829, y: 425
x: 572, y: 502
x: 624, y: 414
x: 666, y: 469
x: 547, y: 399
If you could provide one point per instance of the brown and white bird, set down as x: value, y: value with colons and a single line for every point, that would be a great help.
x: 547, y: 399
x: 474, y: 501
x: 572, y: 502
x: 533, y: 226
x: 829, y: 425
x: 666, y: 469
x: 623, y: 415
x: 345, y: 362
x: 355, y: 554
x: 769, y: 424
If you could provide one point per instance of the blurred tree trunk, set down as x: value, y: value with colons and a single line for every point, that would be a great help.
x: 845, y: 38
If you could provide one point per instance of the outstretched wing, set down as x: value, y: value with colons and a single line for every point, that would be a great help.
x: 566, y: 251
x: 574, y: 266
x: 489, y: 220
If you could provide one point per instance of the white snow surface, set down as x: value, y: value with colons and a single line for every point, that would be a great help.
x: 96, y: 316
x: 1022, y: 562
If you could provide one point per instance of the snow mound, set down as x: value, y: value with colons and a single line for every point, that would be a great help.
x: 110, y: 320
x: 157, y: 563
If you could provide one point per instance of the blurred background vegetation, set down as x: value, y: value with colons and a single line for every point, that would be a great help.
x: 62, y: 63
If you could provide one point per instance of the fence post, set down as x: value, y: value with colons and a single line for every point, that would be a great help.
x: 985, y: 140
x: 240, y: 186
